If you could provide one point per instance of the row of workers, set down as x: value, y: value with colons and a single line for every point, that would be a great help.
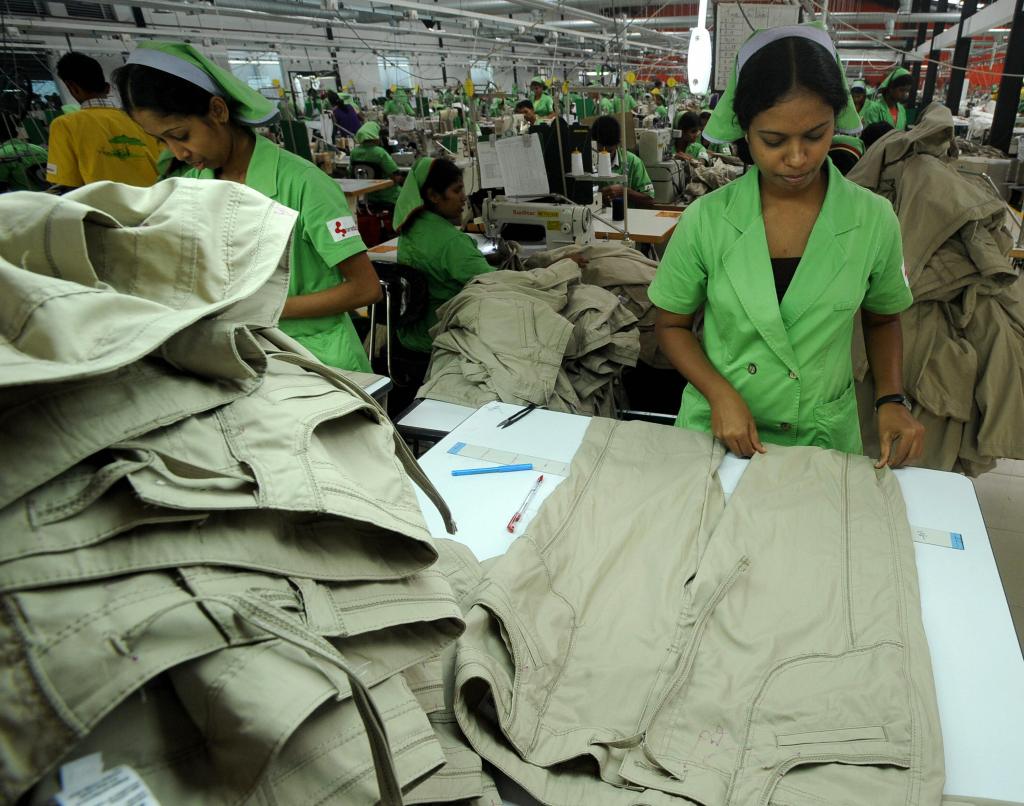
x: 779, y: 261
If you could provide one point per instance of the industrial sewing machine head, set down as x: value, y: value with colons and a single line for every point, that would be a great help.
x: 563, y: 224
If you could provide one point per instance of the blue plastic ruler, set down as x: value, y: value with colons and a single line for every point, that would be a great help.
x: 509, y: 458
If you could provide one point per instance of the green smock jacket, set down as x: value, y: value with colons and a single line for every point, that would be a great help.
x: 543, y: 105
x: 399, y: 107
x: 606, y: 106
x: 449, y: 258
x: 791, y: 362
x: 877, y: 111
x: 639, y: 179
x: 617, y: 104
x: 325, y: 235
x: 388, y: 168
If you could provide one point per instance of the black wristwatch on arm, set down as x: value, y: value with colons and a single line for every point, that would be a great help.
x: 903, y: 400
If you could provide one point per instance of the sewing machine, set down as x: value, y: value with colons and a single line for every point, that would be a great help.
x: 670, y: 178
x: 654, y: 145
x: 563, y: 224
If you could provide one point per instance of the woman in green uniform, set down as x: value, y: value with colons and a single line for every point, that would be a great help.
x: 368, y: 149
x: 398, y: 104
x: 780, y: 261
x: 430, y: 202
x: 542, y: 103
x: 887, y: 105
x: 203, y: 114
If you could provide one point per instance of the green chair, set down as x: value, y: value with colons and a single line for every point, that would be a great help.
x: 296, y: 138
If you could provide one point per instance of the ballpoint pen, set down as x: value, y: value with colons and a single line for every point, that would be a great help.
x: 515, y: 418
x: 522, y: 508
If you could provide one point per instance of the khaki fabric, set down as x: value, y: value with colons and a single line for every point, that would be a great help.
x: 963, y: 338
x: 624, y: 272
x: 774, y: 653
x: 538, y: 336
x: 114, y: 271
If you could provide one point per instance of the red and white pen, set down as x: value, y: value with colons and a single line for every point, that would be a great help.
x: 522, y: 508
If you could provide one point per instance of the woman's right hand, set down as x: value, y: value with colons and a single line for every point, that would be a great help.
x: 733, y: 424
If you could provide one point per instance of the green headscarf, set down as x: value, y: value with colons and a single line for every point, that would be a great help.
x: 899, y: 71
x: 723, y: 127
x: 368, y: 131
x: 849, y: 143
x: 184, y: 61
x: 539, y: 80
x: 859, y: 84
x: 410, y: 200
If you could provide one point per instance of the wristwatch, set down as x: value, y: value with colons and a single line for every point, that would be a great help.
x: 903, y: 400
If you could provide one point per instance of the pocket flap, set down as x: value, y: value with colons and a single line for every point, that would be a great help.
x: 869, y: 733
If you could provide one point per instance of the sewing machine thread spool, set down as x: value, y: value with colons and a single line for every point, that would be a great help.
x: 604, y: 164
x: 577, y: 163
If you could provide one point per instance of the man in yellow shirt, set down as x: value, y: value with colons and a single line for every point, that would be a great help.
x: 99, y: 141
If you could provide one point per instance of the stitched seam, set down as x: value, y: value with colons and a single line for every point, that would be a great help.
x: 844, y: 507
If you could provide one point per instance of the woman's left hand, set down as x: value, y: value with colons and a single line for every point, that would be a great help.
x: 901, y: 435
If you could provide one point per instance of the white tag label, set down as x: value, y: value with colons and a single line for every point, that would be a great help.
x: 938, y: 537
x: 120, y: 786
x: 342, y: 228
x: 51, y: 168
x: 81, y: 772
x: 906, y: 277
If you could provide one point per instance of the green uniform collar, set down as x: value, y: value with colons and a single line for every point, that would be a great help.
x: 262, y: 172
x: 184, y: 61
x: 723, y: 127
x: 823, y: 249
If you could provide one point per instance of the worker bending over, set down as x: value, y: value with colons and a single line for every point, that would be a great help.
x: 205, y: 116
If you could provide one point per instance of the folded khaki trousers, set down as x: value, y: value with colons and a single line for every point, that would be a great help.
x: 679, y: 650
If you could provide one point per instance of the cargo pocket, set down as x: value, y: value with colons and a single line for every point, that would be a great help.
x: 836, y: 423
x: 837, y: 729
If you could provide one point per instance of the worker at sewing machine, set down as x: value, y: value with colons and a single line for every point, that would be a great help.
x: 543, y: 105
x: 525, y: 108
x: 427, y: 217
x: 688, y: 144
x: 369, y: 149
x: 607, y: 133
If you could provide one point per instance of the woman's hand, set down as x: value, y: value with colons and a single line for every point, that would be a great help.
x: 733, y: 424
x: 902, y: 436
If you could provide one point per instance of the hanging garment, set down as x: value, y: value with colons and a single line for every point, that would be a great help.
x: 773, y: 654
x: 964, y: 337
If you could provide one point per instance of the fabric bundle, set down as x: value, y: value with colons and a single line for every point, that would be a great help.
x: 705, y: 178
x: 964, y: 336
x: 541, y: 336
x: 764, y: 650
x: 214, y: 570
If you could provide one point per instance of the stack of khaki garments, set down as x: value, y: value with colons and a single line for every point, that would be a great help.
x: 624, y: 272
x: 541, y: 336
x: 768, y: 650
x: 213, y: 567
x: 964, y: 336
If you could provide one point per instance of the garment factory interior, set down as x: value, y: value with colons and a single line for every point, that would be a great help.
x: 558, y: 402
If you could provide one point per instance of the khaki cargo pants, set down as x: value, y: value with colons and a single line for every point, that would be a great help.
x: 645, y: 643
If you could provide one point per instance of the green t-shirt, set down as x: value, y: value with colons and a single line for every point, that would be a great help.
x: 325, y: 235
x: 697, y: 150
x: 387, y: 166
x: 397, y: 107
x: 606, y: 106
x: 877, y: 111
x: 639, y: 179
x: 449, y: 258
x: 543, y: 105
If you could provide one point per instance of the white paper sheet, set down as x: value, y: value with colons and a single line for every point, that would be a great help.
x: 522, y: 166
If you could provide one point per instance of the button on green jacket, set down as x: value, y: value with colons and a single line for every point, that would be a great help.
x: 791, y: 363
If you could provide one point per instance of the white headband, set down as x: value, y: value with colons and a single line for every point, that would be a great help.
x: 167, y: 63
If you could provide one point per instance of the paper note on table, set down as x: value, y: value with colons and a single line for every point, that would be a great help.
x: 490, y: 168
x: 382, y: 248
x: 669, y: 214
x: 938, y: 537
x: 522, y: 166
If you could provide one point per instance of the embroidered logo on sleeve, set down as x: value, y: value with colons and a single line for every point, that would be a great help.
x: 342, y: 228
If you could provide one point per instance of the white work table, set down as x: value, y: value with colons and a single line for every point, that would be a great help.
x: 645, y: 226
x: 976, y: 659
x: 387, y: 252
